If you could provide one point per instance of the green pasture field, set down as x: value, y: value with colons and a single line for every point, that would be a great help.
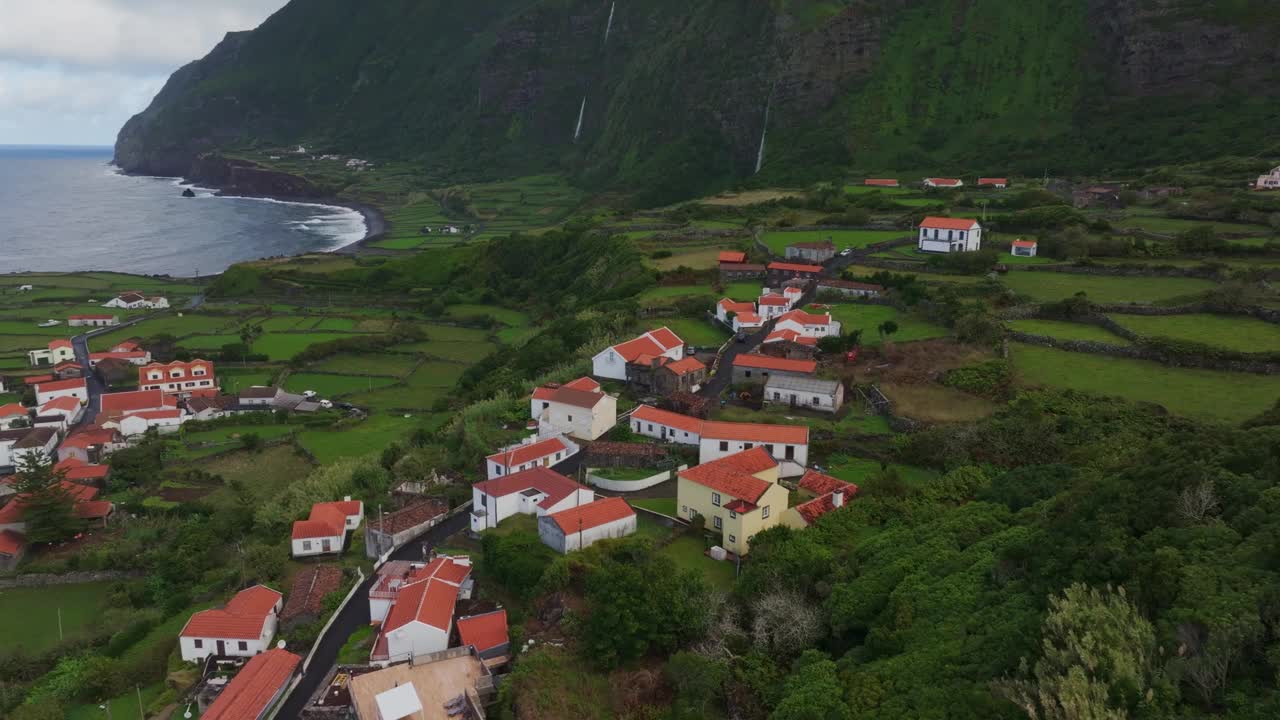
x: 285, y: 346
x: 266, y: 472
x: 1067, y: 331
x: 869, y: 317
x: 394, y: 365
x: 694, y: 331
x: 1050, y: 286
x: 29, y: 616
x: 778, y: 240
x: 1232, y: 332
x: 453, y: 333
x: 462, y: 352
x: 372, y: 435
x: 331, y: 386
x: 506, y: 316
x: 516, y: 335
x: 1208, y: 394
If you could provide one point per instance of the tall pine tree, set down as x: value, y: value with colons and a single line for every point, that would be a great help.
x: 49, y: 510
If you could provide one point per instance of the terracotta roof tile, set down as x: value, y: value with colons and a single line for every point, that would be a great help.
x: 253, y: 689
x: 522, y: 454
x: 686, y: 366
x: 556, y: 486
x: 241, y: 619
x: 795, y: 267
x: 310, y: 587
x: 593, y: 514
x: 486, y: 631
x: 766, y: 362
x: 11, y: 542
x: 734, y: 475
x: 756, y: 432
x: 729, y: 256
x: 648, y: 413
x: 946, y: 223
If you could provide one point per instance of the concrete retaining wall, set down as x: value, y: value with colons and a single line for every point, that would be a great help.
x: 625, y: 486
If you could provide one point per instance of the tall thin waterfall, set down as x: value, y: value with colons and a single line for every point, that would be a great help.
x: 609, y: 26
x: 764, y: 132
x: 577, y: 130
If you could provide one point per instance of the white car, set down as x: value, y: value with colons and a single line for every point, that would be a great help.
x: 845, y: 252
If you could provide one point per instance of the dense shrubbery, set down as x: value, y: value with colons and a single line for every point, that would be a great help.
x: 990, y: 379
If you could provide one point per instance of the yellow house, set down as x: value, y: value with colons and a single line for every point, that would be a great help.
x: 739, y: 496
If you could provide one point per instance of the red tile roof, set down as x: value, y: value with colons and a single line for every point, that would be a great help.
x: 749, y: 318
x: 756, y: 432
x: 946, y: 223
x: 1024, y: 243
x: 686, y: 366
x: 647, y: 413
x: 556, y: 486
x: 740, y: 506
x: 773, y: 300
x: 36, y: 379
x: 821, y: 484
x: 786, y: 335
x: 430, y: 603
x: 241, y: 619
x: 11, y: 542
x: 59, y: 385
x: 486, y: 631
x: 585, y: 384
x: 666, y: 338
x: 65, y: 403
x: 126, y: 346
x: 88, y: 436
x: 325, y: 521
x: 130, y: 402
x: 569, y: 396
x: 349, y: 508
x: 729, y: 256
x: 522, y: 454
x: 13, y: 409
x: 733, y: 306
x: 993, y: 181
x: 55, y: 344
x: 793, y: 267
x: 593, y: 514
x: 654, y: 342
x: 765, y: 362
x: 124, y: 355
x: 734, y: 475
x: 805, y: 318
x: 94, y: 509
x: 880, y: 182
x: 253, y: 689
x: 77, y: 469
x: 90, y: 317
x: 944, y: 182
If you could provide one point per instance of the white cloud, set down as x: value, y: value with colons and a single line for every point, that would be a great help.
x: 72, y: 71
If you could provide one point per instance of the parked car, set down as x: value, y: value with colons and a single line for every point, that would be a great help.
x: 846, y: 252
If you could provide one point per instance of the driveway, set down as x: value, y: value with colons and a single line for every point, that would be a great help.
x: 354, y: 616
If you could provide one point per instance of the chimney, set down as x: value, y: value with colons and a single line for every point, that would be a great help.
x: 837, y: 498
x: 346, y: 498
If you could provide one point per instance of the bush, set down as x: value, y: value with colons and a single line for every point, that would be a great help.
x: 990, y: 379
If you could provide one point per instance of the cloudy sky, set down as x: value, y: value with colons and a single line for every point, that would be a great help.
x: 72, y: 71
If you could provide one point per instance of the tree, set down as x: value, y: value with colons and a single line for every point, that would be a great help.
x: 698, y: 682
x: 887, y: 328
x: 784, y: 622
x: 48, y: 508
x: 251, y: 442
x: 813, y: 691
x: 1099, y: 660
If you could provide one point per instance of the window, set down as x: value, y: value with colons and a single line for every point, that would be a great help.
x: 769, y: 448
x: 650, y: 427
x: 733, y: 539
x: 748, y: 373
x: 764, y: 511
x: 306, y: 545
x: 199, y: 643
x: 718, y: 523
x: 244, y: 646
x: 777, y: 395
x: 748, y: 446
x: 546, y: 405
x: 724, y: 446
x: 570, y: 418
x: 817, y: 400
x: 484, y: 500
x: 497, y: 469
x: 684, y: 508
x: 715, y: 499
x: 791, y: 452
x: 732, y: 515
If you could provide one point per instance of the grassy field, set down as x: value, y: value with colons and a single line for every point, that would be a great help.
x: 280, y: 347
x: 686, y: 552
x: 124, y: 706
x: 699, y: 258
x: 868, y: 317
x: 372, y: 435
x: 453, y: 333
x: 743, y: 291
x: 29, y: 616
x: 1231, y: 397
x: 668, y: 295
x: 408, y: 221
x: 368, y: 364
x: 330, y: 386
x: 1172, y: 226
x: 465, y: 352
x: 936, y: 403
x: 1011, y: 259
x: 694, y: 331
x: 779, y: 240
x: 1232, y: 332
x: 666, y: 506
x: 1067, y: 331
x: 233, y: 432
x: 859, y: 470
x: 234, y: 379
x: 265, y: 473
x: 922, y: 275
x: 522, y: 204
x: 1049, y: 286
x: 506, y: 316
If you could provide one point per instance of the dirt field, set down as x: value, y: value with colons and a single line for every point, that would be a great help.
x: 749, y: 197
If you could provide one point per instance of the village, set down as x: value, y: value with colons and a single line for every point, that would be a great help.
x: 702, y: 444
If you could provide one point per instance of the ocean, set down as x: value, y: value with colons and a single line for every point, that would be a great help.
x: 69, y: 209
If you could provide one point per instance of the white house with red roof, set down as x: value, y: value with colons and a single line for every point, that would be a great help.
x: 134, y: 412
x: 880, y: 182
x: 57, y: 351
x: 532, y: 453
x: 60, y: 412
x: 580, y: 527
x: 13, y: 414
x: 73, y: 388
x: 487, y: 633
x: 787, y: 444
x: 826, y: 493
x: 419, y: 619
x: 241, y: 628
x: 948, y: 235
x: 127, y: 351
x: 1023, y: 248
x: 540, y: 491
x: 993, y: 182
x: 944, y: 183
x: 756, y: 368
x: 612, y: 361
x: 666, y: 425
x: 773, y: 305
x: 256, y: 689
x: 790, y: 336
x: 325, y: 529
x: 135, y: 300
x: 92, y: 320
x: 726, y: 309
x: 579, y: 408
x: 808, y: 324
x: 84, y: 501
x: 183, y: 379
x: 90, y: 443
x: 738, y: 495
x: 79, y: 471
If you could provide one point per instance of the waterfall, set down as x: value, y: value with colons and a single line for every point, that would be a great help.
x: 609, y: 26
x: 577, y: 130
x: 764, y: 132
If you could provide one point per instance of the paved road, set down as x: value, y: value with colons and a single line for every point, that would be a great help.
x: 354, y: 616
x: 95, y: 387
x: 724, y: 373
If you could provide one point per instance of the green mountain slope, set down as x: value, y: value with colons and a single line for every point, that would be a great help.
x: 674, y: 100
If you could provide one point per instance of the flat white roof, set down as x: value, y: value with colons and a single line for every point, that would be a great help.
x: 398, y: 702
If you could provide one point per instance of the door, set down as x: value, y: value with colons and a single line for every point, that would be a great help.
x: 326, y: 545
x: 222, y: 648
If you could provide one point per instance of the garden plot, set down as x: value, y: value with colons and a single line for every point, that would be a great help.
x: 1067, y: 331
x: 394, y: 365
x: 1232, y: 332
x: 1050, y: 286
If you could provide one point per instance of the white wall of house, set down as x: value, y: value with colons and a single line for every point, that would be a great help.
x: 308, y: 547
x: 663, y: 432
x: 815, y: 331
x: 821, y: 402
x: 378, y: 609
x: 132, y: 425
x: 936, y: 240
x: 556, y: 539
x: 93, y: 322
x: 494, y: 469
x: 6, y: 454
x: 416, y: 638
x: 6, y: 423
x: 792, y: 457
x: 79, y: 392
x: 609, y: 364
x: 587, y: 423
x: 197, y: 649
x: 47, y: 356
x: 498, y: 509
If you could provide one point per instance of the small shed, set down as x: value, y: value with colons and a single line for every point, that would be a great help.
x: 1023, y: 248
x: 579, y: 527
x: 804, y: 392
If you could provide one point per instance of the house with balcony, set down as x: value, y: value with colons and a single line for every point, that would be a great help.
x: 182, y: 379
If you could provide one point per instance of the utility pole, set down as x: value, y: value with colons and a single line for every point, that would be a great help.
x: 59, y: 624
x: 141, y: 715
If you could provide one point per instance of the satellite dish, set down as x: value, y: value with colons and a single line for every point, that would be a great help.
x: 280, y: 644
